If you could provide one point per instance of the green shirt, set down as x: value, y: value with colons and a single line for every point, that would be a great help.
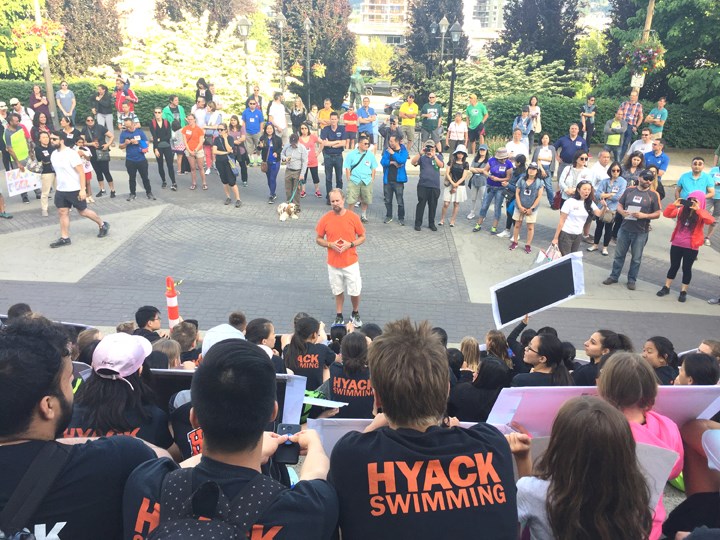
x: 436, y: 112
x: 475, y: 114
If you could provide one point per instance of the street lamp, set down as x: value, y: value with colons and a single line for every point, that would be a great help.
x: 281, y: 21
x: 443, y: 25
x: 307, y: 24
x: 455, y: 34
x: 244, y: 27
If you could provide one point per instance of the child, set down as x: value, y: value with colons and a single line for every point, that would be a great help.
x: 178, y: 145
x: 86, y: 155
x: 629, y: 383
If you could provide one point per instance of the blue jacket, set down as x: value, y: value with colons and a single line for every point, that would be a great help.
x: 399, y: 157
x: 523, y: 124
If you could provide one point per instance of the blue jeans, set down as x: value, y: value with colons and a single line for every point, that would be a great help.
x: 547, y: 182
x: 635, y: 242
x: 333, y: 162
x: 398, y: 188
x: 627, y: 140
x: 271, y: 174
x: 492, y: 194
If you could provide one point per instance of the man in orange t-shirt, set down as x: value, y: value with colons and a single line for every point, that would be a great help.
x: 341, y: 231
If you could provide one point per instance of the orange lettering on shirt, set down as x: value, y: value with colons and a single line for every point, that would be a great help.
x: 485, y: 468
x: 258, y: 532
x: 435, y: 476
x: 308, y: 361
x: 456, y: 476
x: 387, y: 477
x: 410, y: 474
x: 378, y: 509
x: 148, y: 517
x: 434, y: 502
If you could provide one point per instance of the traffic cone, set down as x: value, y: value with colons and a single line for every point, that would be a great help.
x: 172, y: 302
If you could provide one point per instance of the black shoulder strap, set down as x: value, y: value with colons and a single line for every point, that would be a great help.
x: 176, y: 495
x: 250, y: 504
x: 358, y: 161
x: 34, y: 486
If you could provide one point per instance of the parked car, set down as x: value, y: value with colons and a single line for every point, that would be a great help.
x: 393, y: 107
x: 383, y: 88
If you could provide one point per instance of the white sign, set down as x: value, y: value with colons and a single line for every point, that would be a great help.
x: 638, y: 80
x: 22, y: 182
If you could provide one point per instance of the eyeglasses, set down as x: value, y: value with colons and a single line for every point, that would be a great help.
x: 645, y: 134
x: 699, y: 163
x: 251, y: 103
x: 431, y: 97
x: 582, y: 159
x: 529, y: 348
x: 89, y: 121
x: 614, y: 170
x: 221, y: 129
x: 158, y: 112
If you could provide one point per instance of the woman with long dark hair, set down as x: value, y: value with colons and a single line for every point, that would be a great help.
x: 236, y: 130
x: 307, y: 358
x: 632, y: 166
x: 40, y: 125
x: 456, y: 173
x: 312, y: 144
x: 660, y: 353
x: 546, y: 356
x: 202, y: 90
x: 572, y: 176
x: 687, y: 237
x: 534, y: 110
x: 591, y: 444
x: 350, y: 378
x: 545, y: 156
x: 99, y: 139
x: 222, y: 148
x: 573, y: 215
x: 270, y: 146
x: 601, y: 343
x: 609, y: 190
x: 38, y: 102
x: 473, y: 401
x: 478, y: 180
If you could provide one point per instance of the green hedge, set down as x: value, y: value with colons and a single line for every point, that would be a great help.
x: 85, y: 89
x: 685, y: 128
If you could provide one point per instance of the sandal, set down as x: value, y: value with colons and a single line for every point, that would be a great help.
x: 205, y: 186
x: 194, y: 186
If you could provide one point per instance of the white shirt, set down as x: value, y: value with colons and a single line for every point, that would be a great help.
x: 599, y: 172
x: 277, y: 113
x: 571, y: 177
x: 640, y: 146
x: 457, y: 131
x: 576, y: 215
x: 64, y: 162
x: 515, y: 149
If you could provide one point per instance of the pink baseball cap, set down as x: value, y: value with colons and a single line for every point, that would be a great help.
x: 120, y: 355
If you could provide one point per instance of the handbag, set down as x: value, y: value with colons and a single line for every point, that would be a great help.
x: 208, y: 140
x: 264, y: 166
x: 234, y: 165
x: 557, y: 200
x: 102, y: 155
x: 550, y: 254
x: 33, y: 165
x: 608, y: 216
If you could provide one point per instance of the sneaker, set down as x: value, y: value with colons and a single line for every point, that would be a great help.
x: 151, y: 197
x: 504, y: 234
x: 339, y: 319
x: 357, y: 204
x: 238, y: 204
x: 164, y: 185
x: 208, y: 171
x: 302, y: 194
x: 273, y: 197
x: 714, y: 301
x: 477, y: 227
x: 245, y: 183
x: 493, y: 230
x: 228, y: 201
x: 173, y: 187
x: 37, y: 195
x: 588, y: 239
x: 112, y: 194
x: 364, y: 219
x: 528, y: 248
x: 513, y: 245
x: 103, y: 232
x: 44, y: 213
x: 418, y: 228
x: 707, y: 241
x: 401, y: 222
x: 609, y: 281
x: 387, y: 220
x: 471, y: 215
x: 605, y: 252
x: 631, y: 285
x: 60, y: 242
x: 683, y: 296
x: 100, y: 193
x: 271, y: 200
x: 318, y: 194
x: 5, y: 215
x: 131, y: 197
x: 663, y: 292
x: 90, y: 199
x: 25, y: 199
x: 355, y: 319
x: 327, y: 202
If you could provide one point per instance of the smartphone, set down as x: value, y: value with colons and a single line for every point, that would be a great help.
x: 287, y: 453
x: 686, y: 203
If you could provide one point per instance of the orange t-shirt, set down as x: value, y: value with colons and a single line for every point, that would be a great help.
x: 193, y: 136
x: 333, y: 227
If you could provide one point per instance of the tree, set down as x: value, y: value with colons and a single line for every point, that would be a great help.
x: 550, y: 26
x: 221, y: 12
x: 624, y: 25
x: 419, y: 59
x: 375, y: 55
x: 331, y: 44
x: 92, y: 34
x: 21, y: 39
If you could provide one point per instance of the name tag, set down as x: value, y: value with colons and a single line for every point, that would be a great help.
x: 637, y: 199
x: 137, y: 137
x: 502, y: 169
x: 251, y: 119
x: 578, y: 143
x: 527, y: 191
x: 367, y: 162
x: 45, y: 153
x: 615, y: 189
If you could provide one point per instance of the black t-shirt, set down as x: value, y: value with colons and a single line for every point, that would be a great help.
x: 457, y: 170
x: 85, y: 502
x: 311, y: 363
x: 42, y: 154
x: 353, y: 389
x: 666, y: 374
x: 147, y: 334
x: 392, y: 173
x: 70, y: 138
x: 155, y: 430
x: 471, y: 404
x: 308, y: 511
x: 443, y: 483
x: 219, y: 143
x: 532, y: 379
x: 586, y: 375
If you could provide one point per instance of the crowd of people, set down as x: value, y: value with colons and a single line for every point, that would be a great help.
x: 86, y: 428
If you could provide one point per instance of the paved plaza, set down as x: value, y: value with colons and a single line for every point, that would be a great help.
x: 245, y: 259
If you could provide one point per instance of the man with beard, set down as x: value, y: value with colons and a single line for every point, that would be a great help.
x: 36, y: 401
x: 341, y: 231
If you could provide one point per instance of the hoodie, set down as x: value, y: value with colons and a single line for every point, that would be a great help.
x: 704, y: 218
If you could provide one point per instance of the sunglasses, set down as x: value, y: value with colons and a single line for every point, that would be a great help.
x: 221, y: 129
x: 158, y: 112
x: 614, y: 170
x: 700, y: 163
x: 582, y: 159
x: 89, y: 121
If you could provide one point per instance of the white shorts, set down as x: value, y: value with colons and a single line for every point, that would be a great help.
x: 345, y: 279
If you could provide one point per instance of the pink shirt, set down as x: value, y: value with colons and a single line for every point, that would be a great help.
x: 310, y: 145
x: 662, y: 432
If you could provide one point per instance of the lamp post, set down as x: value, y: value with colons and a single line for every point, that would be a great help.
x: 307, y: 24
x: 443, y: 26
x: 244, y: 27
x: 44, y: 62
x: 455, y: 33
x: 281, y: 21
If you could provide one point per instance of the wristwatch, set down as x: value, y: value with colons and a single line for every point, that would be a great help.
x: 352, y: 244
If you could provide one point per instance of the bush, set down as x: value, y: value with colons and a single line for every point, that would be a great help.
x: 84, y: 89
x: 686, y: 127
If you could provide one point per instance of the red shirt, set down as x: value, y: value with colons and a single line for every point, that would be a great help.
x: 350, y: 116
x: 122, y: 96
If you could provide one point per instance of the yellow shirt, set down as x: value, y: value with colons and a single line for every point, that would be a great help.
x: 324, y: 114
x: 406, y: 108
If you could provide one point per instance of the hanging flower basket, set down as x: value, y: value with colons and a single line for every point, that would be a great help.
x: 296, y: 70
x: 644, y: 58
x: 318, y: 70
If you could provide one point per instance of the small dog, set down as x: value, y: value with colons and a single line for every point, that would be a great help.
x: 287, y: 210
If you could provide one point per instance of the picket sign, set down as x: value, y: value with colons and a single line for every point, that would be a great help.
x: 21, y: 182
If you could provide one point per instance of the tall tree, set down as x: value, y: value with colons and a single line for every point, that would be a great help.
x: 550, y: 26
x: 92, y: 34
x: 625, y: 24
x: 419, y: 58
x: 331, y: 44
x: 221, y: 12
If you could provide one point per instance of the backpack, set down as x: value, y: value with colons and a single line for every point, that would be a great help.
x: 205, y: 512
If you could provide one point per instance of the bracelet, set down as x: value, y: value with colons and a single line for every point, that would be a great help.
x: 352, y: 244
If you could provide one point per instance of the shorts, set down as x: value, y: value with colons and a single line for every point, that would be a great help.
x: 345, y: 279
x: 88, y: 176
x: 532, y: 218
x: 69, y: 199
x: 197, y: 154
x: 359, y: 192
x: 351, y: 135
x: 716, y: 208
x: 656, y: 136
x: 474, y: 134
